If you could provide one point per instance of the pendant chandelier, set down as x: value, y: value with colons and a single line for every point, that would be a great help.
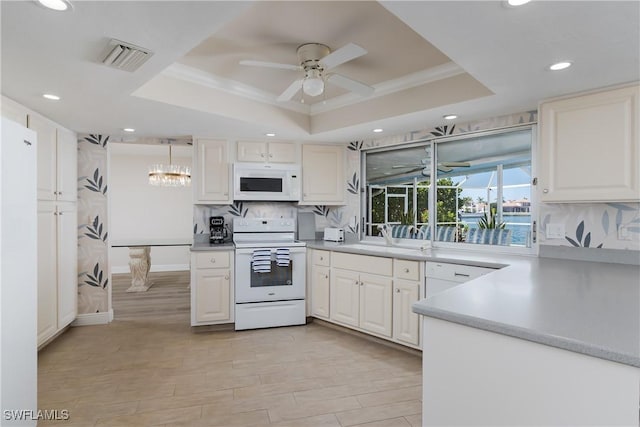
x: 169, y: 175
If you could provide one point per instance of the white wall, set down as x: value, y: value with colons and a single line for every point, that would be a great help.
x: 143, y: 211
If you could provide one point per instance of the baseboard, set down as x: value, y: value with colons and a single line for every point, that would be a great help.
x: 120, y: 269
x: 93, y: 319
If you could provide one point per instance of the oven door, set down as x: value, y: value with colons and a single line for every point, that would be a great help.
x: 278, y: 283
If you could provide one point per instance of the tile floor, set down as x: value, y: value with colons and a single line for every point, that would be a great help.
x: 154, y: 372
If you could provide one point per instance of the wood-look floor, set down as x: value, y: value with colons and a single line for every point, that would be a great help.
x: 154, y: 371
x: 167, y: 300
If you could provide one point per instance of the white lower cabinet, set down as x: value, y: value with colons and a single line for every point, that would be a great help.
x: 211, y: 288
x: 57, y: 267
x: 319, y: 279
x: 406, y: 323
x: 371, y: 294
x: 375, y: 304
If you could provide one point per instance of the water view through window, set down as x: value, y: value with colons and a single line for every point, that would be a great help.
x: 482, y: 190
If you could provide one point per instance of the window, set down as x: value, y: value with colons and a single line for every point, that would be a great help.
x: 481, y: 191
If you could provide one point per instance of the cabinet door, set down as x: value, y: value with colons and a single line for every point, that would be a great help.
x: 251, y: 151
x: 590, y: 147
x: 282, y: 152
x: 406, y: 323
x: 67, y: 237
x: 320, y: 291
x: 67, y: 165
x: 323, y: 174
x: 344, y: 291
x: 212, y: 300
x: 46, y: 131
x: 211, y: 173
x: 47, y: 287
x: 375, y: 304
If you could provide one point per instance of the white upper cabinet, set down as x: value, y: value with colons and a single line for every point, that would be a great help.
x: 210, y: 174
x: 57, y: 160
x: 323, y: 173
x: 67, y: 165
x: 272, y: 152
x: 590, y: 147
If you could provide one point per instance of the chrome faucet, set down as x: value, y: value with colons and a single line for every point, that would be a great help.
x: 385, y: 230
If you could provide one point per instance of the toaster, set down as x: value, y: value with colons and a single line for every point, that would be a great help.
x: 334, y: 234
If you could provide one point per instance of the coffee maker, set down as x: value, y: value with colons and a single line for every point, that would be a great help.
x: 217, y: 232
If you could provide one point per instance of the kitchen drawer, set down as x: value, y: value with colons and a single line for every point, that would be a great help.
x: 455, y: 272
x: 363, y: 263
x: 409, y: 270
x: 218, y: 259
x: 321, y: 258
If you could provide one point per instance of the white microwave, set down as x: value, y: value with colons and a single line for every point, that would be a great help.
x: 269, y: 182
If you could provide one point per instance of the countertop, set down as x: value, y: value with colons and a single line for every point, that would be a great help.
x: 591, y: 308
x: 199, y: 246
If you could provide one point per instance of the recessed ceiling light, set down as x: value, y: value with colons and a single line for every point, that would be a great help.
x: 450, y: 117
x: 270, y: 134
x: 517, y: 2
x: 378, y: 130
x: 560, y: 65
x: 51, y: 96
x: 129, y: 129
x: 58, y: 5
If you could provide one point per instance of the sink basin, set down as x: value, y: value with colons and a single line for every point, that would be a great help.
x: 389, y: 250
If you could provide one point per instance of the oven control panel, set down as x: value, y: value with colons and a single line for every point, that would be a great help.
x: 263, y: 225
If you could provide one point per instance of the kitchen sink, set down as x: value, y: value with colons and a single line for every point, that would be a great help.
x: 383, y: 249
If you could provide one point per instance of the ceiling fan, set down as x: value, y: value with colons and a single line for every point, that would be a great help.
x: 424, y: 165
x: 315, y: 60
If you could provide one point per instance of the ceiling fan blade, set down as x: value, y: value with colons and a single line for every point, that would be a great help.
x: 445, y: 169
x: 344, y: 54
x: 291, y: 90
x: 456, y: 164
x: 350, y: 84
x: 271, y: 65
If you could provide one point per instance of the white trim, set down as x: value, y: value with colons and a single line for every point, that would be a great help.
x: 440, y: 72
x: 197, y: 76
x: 102, y: 318
x: 120, y: 269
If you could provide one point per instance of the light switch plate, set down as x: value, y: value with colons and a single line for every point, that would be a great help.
x: 623, y: 233
x: 554, y: 231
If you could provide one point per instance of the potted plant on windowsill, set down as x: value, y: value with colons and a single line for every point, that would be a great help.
x: 489, y: 220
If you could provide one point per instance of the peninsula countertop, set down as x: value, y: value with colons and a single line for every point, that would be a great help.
x: 586, y: 307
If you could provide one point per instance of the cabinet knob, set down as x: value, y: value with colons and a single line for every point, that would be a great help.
x: 326, y: 276
x: 59, y: 193
x: 397, y: 290
x: 270, y: 155
x: 262, y: 155
x: 59, y: 213
x: 321, y: 258
x: 406, y: 270
x: 545, y: 191
x: 213, y: 260
x: 304, y: 194
x: 226, y: 277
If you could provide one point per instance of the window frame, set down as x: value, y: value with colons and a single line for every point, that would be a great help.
x: 433, y: 141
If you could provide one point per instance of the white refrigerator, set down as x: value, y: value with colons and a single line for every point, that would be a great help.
x: 18, y: 276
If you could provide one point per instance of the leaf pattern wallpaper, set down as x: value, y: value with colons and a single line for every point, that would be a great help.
x: 93, y: 248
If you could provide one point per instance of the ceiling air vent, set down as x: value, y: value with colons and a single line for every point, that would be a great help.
x: 125, y: 56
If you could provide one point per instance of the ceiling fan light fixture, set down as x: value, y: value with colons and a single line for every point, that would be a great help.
x: 313, y: 85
